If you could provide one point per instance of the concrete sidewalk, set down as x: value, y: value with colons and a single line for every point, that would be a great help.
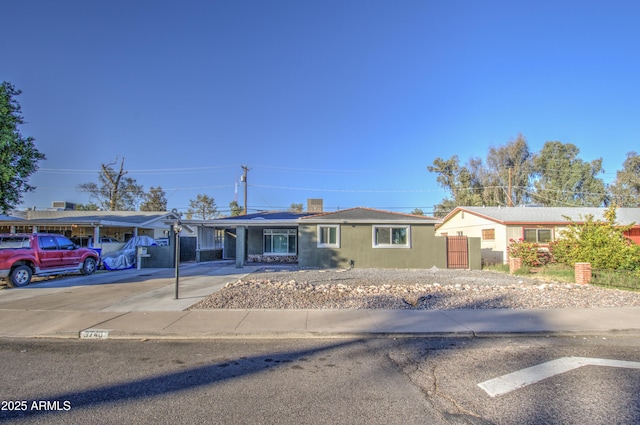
x: 141, y: 304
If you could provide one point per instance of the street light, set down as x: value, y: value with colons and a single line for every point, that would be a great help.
x: 177, y: 228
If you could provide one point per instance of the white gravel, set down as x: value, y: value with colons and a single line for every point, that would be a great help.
x: 430, y: 289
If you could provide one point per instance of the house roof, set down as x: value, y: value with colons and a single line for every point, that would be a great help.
x: 104, y: 218
x: 265, y: 218
x: 288, y: 218
x: 369, y: 215
x: 270, y: 215
x: 545, y: 215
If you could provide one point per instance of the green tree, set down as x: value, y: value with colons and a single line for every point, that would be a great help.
x: 599, y: 242
x: 295, y: 207
x: 87, y: 207
x: 417, y: 211
x: 625, y: 190
x: 554, y: 177
x: 463, y: 185
x: 115, y: 192
x: 154, y: 200
x: 203, y: 208
x: 562, y: 179
x: 19, y: 157
x: 509, y: 165
x: 235, y: 209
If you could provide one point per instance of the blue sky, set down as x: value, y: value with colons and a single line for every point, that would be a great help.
x: 348, y: 101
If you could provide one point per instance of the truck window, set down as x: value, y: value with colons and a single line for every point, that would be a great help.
x: 47, y: 243
x: 64, y: 243
x: 14, y: 242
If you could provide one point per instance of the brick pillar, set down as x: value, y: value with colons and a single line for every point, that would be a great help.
x: 514, y: 264
x: 583, y: 272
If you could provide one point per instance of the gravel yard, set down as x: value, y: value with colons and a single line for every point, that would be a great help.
x: 430, y: 289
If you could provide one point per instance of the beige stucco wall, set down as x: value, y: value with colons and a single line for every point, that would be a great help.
x: 493, y: 251
x: 356, y: 244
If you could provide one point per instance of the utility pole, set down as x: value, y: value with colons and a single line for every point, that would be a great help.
x: 509, y: 199
x: 245, y: 170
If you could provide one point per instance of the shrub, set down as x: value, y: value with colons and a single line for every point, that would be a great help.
x: 601, y: 243
x: 529, y: 252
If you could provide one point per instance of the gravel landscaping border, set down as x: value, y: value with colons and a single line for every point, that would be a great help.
x: 416, y: 289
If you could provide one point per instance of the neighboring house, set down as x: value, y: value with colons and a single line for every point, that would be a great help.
x: 120, y: 225
x: 495, y: 226
x: 368, y: 238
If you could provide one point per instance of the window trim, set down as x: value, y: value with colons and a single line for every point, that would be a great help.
x: 319, y: 234
x: 282, y: 232
x: 391, y: 244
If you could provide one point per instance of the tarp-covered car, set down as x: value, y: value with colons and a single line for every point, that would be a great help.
x: 126, y: 257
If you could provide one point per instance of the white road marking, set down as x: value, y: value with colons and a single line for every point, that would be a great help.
x: 513, y: 381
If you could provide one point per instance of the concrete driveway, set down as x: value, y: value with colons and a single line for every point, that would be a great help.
x: 125, y: 290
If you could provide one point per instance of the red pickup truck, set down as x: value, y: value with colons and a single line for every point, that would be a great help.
x: 23, y: 255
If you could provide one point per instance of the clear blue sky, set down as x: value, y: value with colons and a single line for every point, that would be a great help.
x: 345, y: 100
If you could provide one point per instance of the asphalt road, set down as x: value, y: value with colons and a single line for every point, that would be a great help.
x: 319, y: 381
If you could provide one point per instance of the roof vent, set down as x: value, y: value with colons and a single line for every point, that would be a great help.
x: 314, y: 205
x: 63, y: 205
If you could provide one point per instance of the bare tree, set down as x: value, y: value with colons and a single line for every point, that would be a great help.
x: 115, y: 192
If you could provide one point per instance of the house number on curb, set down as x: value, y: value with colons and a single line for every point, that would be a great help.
x: 513, y: 381
x: 94, y: 334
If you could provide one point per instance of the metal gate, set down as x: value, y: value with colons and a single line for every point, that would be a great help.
x: 188, y: 248
x: 457, y: 252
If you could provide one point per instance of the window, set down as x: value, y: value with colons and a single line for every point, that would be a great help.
x: 64, y: 243
x: 391, y: 237
x: 47, y: 243
x: 218, y: 238
x: 537, y: 235
x: 488, y: 234
x: 328, y: 236
x: 280, y: 241
x: 14, y: 242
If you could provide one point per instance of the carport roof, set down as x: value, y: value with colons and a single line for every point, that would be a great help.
x: 104, y: 218
x: 9, y: 218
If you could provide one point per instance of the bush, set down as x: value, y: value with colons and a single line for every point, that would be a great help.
x: 529, y: 252
x: 601, y: 243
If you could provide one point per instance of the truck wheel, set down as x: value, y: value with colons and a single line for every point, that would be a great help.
x: 20, y: 276
x: 89, y: 266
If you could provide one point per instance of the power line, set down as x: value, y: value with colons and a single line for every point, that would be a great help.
x: 308, y: 189
x: 140, y: 171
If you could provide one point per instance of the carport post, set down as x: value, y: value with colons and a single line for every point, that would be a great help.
x: 241, y: 249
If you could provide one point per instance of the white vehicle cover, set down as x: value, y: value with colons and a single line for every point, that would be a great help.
x: 126, y: 257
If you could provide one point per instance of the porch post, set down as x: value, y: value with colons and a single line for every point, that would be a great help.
x: 96, y: 237
x: 241, y: 249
